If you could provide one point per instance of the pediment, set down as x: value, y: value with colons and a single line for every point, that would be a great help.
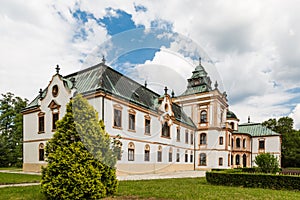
x: 53, y: 105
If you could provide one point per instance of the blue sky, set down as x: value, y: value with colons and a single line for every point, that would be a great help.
x: 250, y: 48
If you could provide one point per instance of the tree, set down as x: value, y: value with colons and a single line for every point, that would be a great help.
x: 290, y: 147
x: 11, y: 130
x: 267, y: 163
x: 81, y: 156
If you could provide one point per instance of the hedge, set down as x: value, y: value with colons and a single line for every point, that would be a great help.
x: 254, y: 180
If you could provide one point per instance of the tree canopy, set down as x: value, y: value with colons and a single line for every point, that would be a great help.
x: 290, y: 148
x: 11, y: 130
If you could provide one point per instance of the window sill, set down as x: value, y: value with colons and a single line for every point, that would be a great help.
x: 165, y: 137
x: 117, y: 127
x: 147, y: 134
x: 41, y: 132
x: 130, y: 130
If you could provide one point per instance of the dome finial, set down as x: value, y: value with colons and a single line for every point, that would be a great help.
x: 103, y: 59
x: 249, y: 119
x: 216, y: 85
x: 199, y: 60
x: 166, y: 90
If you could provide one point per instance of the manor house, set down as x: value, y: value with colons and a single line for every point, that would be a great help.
x: 159, y: 132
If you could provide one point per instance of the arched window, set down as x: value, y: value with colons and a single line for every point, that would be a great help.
x: 159, y: 154
x: 238, y: 143
x: 165, y: 130
x: 232, y: 125
x: 147, y: 153
x: 203, y: 116
x: 130, y: 151
x: 178, y: 156
x: 244, y: 160
x: 244, y: 143
x: 191, y: 157
x: 186, y: 156
x: 203, y: 138
x: 237, y: 159
x: 41, y: 152
x: 202, y: 159
x: 170, y: 154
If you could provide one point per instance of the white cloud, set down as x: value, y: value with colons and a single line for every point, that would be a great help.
x: 254, y: 45
x: 295, y: 114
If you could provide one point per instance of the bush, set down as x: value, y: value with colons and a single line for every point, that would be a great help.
x: 254, y: 180
x: 267, y: 163
x: 80, y: 156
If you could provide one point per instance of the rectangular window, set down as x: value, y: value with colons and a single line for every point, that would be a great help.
x: 159, y: 156
x: 117, y: 118
x: 147, y: 155
x: 177, y: 157
x: 165, y: 130
x: 186, y: 137
x: 220, y: 140
x: 131, y: 122
x: 191, y: 158
x: 202, y: 159
x: 261, y: 144
x: 170, y: 156
x: 178, y: 135
x: 220, y: 161
x: 186, y: 157
x: 130, y: 154
x: 192, y: 138
x: 41, y: 124
x: 147, y: 126
x: 55, y: 117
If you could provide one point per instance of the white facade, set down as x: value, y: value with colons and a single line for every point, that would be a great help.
x: 200, y: 131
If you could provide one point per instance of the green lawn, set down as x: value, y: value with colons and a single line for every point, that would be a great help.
x: 187, y: 188
x: 11, y: 178
x: 11, y: 168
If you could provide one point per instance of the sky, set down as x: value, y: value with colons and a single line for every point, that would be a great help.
x: 250, y: 47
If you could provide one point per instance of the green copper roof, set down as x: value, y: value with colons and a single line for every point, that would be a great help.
x: 199, y: 82
x: 103, y: 78
x: 255, y: 130
x: 230, y: 114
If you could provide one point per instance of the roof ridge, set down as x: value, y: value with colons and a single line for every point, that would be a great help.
x: 110, y: 68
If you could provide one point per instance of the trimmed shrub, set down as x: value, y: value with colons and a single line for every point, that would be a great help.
x: 254, y: 180
x: 267, y: 163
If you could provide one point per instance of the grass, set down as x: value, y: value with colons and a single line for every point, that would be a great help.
x: 12, y: 178
x: 187, y: 188
x: 11, y: 168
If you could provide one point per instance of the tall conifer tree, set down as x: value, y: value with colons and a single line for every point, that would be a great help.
x: 81, y: 156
